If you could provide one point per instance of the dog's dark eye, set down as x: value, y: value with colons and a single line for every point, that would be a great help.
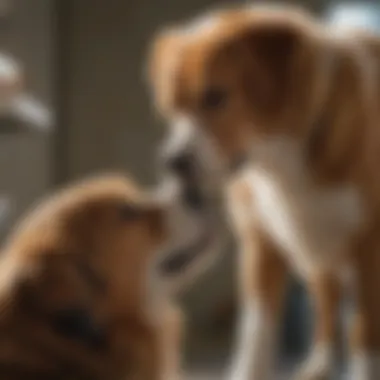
x: 77, y: 323
x: 214, y: 98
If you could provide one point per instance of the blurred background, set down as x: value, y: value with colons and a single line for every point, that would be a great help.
x: 73, y: 102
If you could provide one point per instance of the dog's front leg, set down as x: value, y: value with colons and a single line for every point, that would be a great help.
x: 171, y: 335
x: 263, y: 276
x: 325, y: 292
x: 365, y: 332
x: 262, y: 286
x: 158, y: 346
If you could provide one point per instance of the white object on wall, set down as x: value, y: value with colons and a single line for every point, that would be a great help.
x: 11, y: 81
x: 32, y: 112
x: 15, y: 102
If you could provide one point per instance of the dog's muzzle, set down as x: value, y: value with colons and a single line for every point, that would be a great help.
x: 192, y: 226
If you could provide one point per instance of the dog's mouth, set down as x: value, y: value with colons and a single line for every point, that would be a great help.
x: 178, y: 260
x: 194, y: 235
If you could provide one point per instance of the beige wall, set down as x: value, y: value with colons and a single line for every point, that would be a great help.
x: 26, y: 156
x: 28, y: 33
x: 108, y: 112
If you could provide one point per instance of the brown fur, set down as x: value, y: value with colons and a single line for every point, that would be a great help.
x: 284, y: 73
x: 88, y: 247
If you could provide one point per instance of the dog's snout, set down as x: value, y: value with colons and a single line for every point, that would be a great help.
x: 183, y: 165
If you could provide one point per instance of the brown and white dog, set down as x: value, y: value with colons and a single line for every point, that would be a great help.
x: 80, y: 295
x: 298, y: 104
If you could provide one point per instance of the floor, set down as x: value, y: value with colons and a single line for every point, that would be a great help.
x: 209, y: 362
x: 218, y: 375
x: 217, y: 372
x: 214, y: 371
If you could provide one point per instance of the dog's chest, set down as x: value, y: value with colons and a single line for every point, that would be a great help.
x: 311, y: 224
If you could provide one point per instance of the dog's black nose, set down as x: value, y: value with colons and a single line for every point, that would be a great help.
x: 78, y: 324
x: 182, y: 165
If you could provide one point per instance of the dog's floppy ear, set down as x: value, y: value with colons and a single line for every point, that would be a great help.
x: 269, y: 49
x: 274, y: 51
x: 163, y: 46
x: 161, y: 69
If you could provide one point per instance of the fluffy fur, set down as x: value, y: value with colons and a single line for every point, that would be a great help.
x: 75, y: 297
x: 299, y: 103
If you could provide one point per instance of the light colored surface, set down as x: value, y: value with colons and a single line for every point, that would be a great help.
x: 10, y: 80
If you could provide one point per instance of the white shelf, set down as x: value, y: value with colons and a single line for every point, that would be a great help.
x: 17, y: 105
x: 26, y: 114
x: 29, y: 110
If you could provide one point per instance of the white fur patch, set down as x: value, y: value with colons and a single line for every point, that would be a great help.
x: 364, y: 366
x: 312, y: 224
x: 187, y: 136
x: 253, y: 356
x: 179, y: 136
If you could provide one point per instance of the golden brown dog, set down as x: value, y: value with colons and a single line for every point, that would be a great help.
x: 298, y: 104
x: 75, y: 298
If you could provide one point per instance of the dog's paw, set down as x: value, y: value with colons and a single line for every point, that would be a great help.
x: 318, y: 365
x: 364, y: 366
x: 313, y: 375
